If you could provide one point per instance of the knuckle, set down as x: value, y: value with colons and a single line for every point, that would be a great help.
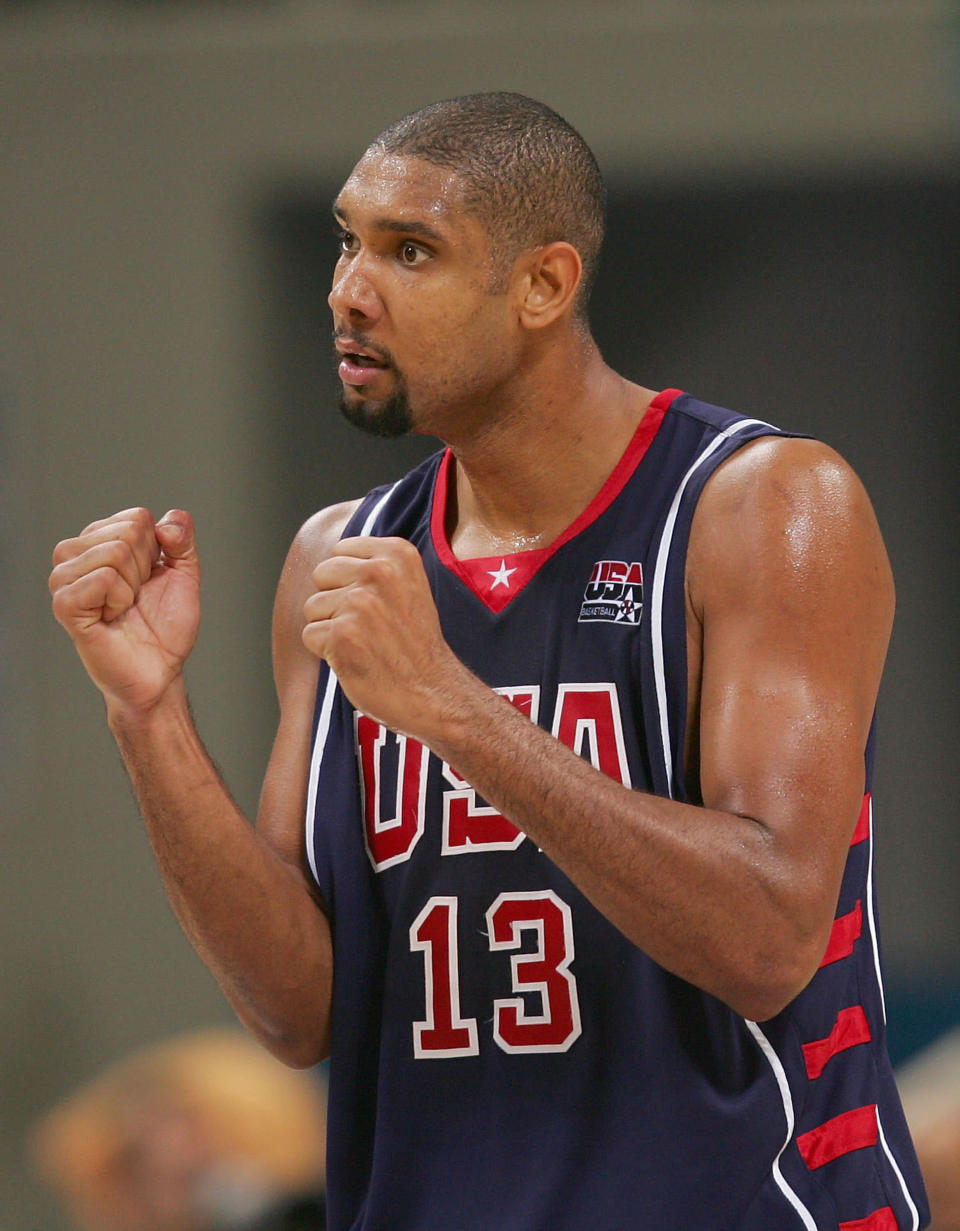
x: 314, y: 638
x: 63, y: 551
x: 407, y: 550
x: 55, y: 581
x: 380, y: 569
x: 60, y: 603
x: 137, y: 515
x: 407, y: 559
x: 117, y: 553
x: 131, y: 530
x: 362, y: 604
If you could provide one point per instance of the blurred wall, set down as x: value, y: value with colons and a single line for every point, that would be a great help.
x: 139, y: 149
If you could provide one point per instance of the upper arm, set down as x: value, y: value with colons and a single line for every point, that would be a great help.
x: 789, y: 582
x: 283, y: 798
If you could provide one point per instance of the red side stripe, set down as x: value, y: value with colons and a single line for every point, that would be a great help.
x: 879, y: 1220
x: 850, y: 1029
x: 844, y: 935
x: 862, y: 831
x: 853, y: 1130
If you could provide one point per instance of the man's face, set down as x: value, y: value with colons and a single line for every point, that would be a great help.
x: 422, y: 341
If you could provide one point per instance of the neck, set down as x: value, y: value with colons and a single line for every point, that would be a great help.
x: 522, y: 478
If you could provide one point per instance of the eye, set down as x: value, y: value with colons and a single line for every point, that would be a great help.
x: 346, y: 239
x: 412, y: 254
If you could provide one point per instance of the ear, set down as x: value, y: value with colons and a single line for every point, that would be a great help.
x: 548, y: 283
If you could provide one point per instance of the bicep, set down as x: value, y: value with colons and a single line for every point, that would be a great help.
x: 790, y: 582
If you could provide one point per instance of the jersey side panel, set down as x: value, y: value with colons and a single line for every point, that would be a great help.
x: 828, y: 1048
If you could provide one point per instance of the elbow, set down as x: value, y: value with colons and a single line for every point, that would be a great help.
x: 300, y: 1058
x: 761, y: 1004
x: 294, y: 1051
x: 295, y: 1045
x: 775, y: 980
x: 780, y: 959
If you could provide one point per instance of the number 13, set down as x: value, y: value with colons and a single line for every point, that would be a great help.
x: 444, y: 1033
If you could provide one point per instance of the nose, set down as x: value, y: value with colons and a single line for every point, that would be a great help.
x: 354, y: 295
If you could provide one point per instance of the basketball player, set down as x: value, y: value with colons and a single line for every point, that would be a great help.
x: 579, y: 713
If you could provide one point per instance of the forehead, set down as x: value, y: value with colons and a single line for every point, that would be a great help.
x: 392, y: 189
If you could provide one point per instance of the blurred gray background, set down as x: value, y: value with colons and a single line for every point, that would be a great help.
x: 785, y: 207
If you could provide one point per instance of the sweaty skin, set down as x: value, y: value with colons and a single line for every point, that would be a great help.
x: 789, y: 607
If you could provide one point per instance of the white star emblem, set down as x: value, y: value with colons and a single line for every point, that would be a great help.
x: 502, y: 575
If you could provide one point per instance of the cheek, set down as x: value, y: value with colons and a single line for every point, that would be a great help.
x: 453, y: 337
x: 480, y: 329
x: 450, y: 307
x: 468, y: 355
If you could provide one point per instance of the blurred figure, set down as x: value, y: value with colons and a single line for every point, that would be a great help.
x: 930, y: 1087
x: 205, y: 1132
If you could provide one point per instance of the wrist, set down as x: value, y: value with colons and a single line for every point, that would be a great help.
x: 472, y: 717
x: 126, y: 716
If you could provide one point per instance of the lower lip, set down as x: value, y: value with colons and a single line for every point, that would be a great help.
x: 354, y: 374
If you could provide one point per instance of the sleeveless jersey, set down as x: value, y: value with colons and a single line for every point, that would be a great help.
x: 502, y: 1056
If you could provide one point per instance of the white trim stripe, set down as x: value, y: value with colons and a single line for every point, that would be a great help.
x: 871, y: 920
x: 786, y: 1098
x: 323, y: 729
x: 323, y: 723
x: 914, y: 1212
x: 659, y: 581
x: 375, y: 511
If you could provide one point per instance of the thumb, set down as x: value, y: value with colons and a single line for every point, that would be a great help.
x: 176, y: 536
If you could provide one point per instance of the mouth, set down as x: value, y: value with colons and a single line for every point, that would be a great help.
x: 362, y: 358
x: 358, y: 365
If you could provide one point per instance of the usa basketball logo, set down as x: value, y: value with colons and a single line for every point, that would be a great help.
x: 614, y: 593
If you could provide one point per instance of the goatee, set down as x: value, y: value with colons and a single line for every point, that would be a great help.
x: 388, y: 419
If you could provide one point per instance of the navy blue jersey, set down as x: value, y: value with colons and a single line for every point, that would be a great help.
x: 502, y: 1056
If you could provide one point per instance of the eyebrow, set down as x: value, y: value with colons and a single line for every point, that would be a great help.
x: 397, y: 225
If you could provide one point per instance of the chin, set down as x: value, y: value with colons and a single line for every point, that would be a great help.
x: 388, y: 419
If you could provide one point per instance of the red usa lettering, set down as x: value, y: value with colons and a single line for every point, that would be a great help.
x: 617, y: 571
x: 390, y: 839
x: 589, y: 714
x: 586, y: 718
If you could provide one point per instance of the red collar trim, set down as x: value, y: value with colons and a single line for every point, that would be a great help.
x: 497, y: 580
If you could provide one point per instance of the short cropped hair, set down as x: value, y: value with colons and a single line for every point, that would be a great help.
x: 528, y: 175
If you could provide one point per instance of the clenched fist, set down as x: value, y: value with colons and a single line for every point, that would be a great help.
x: 373, y: 619
x: 127, y: 590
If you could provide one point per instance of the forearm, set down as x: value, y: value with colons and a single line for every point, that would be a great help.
x: 246, y: 911
x: 706, y: 893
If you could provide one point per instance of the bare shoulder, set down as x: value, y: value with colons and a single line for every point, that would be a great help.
x: 313, y: 543
x: 316, y: 539
x: 775, y: 468
x: 786, y: 509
